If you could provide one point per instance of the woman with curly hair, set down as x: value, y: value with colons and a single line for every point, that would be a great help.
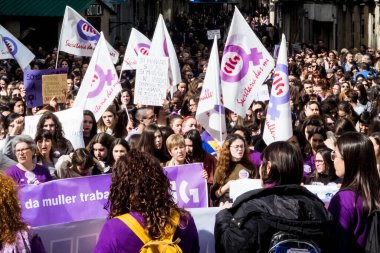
x: 15, y: 235
x: 233, y: 163
x: 140, y: 189
x: 49, y: 121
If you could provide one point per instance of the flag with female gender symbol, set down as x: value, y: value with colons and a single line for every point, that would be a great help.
x: 210, y: 113
x: 100, y: 85
x: 138, y: 44
x: 278, y: 123
x: 162, y: 46
x: 245, y: 65
x: 79, y: 37
x: 4, y: 50
x: 20, y: 52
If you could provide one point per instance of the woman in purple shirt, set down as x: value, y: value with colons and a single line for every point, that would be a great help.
x: 355, y: 162
x: 26, y: 171
x: 140, y: 188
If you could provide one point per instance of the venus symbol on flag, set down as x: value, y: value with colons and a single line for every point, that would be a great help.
x: 281, y: 91
x: 142, y: 48
x: 100, y: 78
x: 236, y: 61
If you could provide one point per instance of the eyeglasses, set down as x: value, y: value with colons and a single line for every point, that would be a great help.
x: 151, y: 117
x: 236, y: 147
x: 333, y: 156
x: 21, y: 151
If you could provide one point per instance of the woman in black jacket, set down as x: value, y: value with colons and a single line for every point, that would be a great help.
x: 282, y: 205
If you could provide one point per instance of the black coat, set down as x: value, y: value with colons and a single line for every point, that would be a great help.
x: 255, y: 216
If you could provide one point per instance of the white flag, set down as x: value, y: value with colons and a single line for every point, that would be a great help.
x: 4, y: 51
x: 162, y: 46
x: 245, y: 65
x: 138, y: 45
x: 278, y: 123
x: 100, y: 85
x: 20, y: 52
x: 210, y: 113
x: 79, y: 37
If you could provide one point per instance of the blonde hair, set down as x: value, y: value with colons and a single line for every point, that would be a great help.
x: 175, y: 140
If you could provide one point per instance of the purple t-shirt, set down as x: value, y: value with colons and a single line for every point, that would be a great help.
x: 41, y: 173
x: 351, y: 223
x: 117, y: 237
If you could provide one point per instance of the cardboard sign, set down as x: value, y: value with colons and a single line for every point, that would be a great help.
x: 152, y: 80
x: 54, y: 86
x: 211, y: 34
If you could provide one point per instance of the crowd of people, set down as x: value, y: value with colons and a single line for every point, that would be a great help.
x: 336, y: 138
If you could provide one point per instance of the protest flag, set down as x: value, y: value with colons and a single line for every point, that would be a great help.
x: 79, y: 37
x: 138, y: 44
x: 278, y: 122
x: 100, y: 85
x: 210, y: 113
x: 162, y: 46
x: 4, y: 51
x: 245, y: 66
x: 20, y: 52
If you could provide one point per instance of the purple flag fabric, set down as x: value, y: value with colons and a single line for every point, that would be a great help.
x: 190, y: 189
x: 33, y: 84
x: 65, y: 200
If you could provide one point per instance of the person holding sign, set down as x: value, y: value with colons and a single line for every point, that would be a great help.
x: 141, y: 191
x: 233, y: 163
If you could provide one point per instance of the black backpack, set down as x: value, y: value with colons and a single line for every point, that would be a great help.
x: 373, y: 233
x: 283, y: 242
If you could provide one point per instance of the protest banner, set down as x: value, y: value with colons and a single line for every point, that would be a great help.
x: 240, y: 186
x: 33, y: 84
x: 151, y: 80
x: 76, y: 199
x: 71, y: 120
x: 79, y: 37
x: 212, y: 33
x: 245, y: 65
x: 138, y: 44
x: 210, y: 112
x: 4, y: 51
x: 65, y: 200
x: 263, y: 94
x: 162, y: 46
x: 54, y: 86
x: 100, y: 84
x: 278, y: 122
x: 19, y: 51
x: 189, y: 188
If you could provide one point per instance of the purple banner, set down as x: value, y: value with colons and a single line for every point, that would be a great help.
x: 33, y: 84
x: 190, y: 189
x: 65, y: 200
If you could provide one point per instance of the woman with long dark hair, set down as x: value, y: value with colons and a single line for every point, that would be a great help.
x: 324, y: 172
x: 90, y: 129
x: 152, y: 142
x: 355, y: 162
x: 141, y: 191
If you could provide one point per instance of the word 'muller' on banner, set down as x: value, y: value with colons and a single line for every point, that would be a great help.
x: 151, y: 80
x: 83, y: 198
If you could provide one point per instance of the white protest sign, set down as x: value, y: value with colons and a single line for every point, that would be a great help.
x: 211, y: 34
x: 71, y: 120
x: 240, y: 186
x: 324, y: 192
x: 151, y: 80
x: 263, y: 94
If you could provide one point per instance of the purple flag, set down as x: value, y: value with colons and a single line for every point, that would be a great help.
x: 65, y: 200
x: 33, y: 84
x: 190, y: 189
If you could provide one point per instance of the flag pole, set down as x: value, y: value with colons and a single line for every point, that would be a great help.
x: 59, y: 41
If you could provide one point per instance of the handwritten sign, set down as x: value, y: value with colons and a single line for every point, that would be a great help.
x: 152, y: 80
x: 54, y: 86
x: 33, y: 84
x: 211, y: 34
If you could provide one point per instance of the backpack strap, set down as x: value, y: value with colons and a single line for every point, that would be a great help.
x: 135, y: 226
